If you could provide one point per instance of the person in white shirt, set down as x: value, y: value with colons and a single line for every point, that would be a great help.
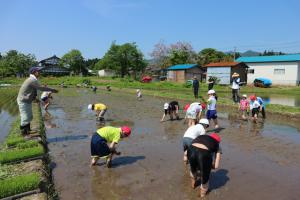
x: 212, y: 108
x: 45, y: 97
x: 193, y: 113
x: 139, y: 94
x: 191, y: 133
x: 235, y: 87
x: 255, y: 107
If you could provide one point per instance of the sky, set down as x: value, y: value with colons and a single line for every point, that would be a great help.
x: 48, y: 27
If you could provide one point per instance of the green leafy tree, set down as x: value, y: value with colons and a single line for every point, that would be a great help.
x: 209, y: 55
x: 123, y: 59
x: 90, y: 63
x: 15, y: 63
x: 74, y: 61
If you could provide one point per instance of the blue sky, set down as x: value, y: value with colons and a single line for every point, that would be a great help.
x: 47, y: 27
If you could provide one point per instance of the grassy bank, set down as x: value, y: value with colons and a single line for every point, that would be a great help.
x: 175, y: 90
x: 21, y: 168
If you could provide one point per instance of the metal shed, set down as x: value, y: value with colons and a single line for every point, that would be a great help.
x: 224, y: 70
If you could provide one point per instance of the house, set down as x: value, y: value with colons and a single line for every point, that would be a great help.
x: 224, y: 70
x: 106, y: 72
x: 281, y: 69
x: 183, y: 72
x: 51, y: 66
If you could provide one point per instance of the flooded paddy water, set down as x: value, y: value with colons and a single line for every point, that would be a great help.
x: 259, y: 161
x: 8, y: 110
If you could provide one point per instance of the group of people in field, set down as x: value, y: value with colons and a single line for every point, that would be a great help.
x: 201, y: 151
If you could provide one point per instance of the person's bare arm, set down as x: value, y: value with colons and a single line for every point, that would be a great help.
x: 163, y: 117
x: 37, y: 86
x: 216, y: 163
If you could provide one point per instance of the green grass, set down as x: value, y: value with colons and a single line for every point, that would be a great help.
x: 8, y: 156
x: 27, y: 144
x: 19, y: 184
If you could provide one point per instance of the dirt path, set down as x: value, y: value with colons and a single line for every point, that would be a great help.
x: 260, y: 161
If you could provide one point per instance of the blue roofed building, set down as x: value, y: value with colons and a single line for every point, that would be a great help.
x: 281, y: 69
x: 183, y: 72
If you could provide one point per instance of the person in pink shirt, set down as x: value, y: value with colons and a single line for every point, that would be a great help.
x: 244, y: 106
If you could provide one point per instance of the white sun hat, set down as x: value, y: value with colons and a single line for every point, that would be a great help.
x: 204, y: 121
x: 211, y: 92
x: 90, y: 106
x: 166, y: 106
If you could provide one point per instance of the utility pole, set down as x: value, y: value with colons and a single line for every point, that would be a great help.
x: 234, y: 51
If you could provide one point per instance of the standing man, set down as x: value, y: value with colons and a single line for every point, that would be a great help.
x: 235, y: 87
x: 195, y: 87
x: 27, y: 94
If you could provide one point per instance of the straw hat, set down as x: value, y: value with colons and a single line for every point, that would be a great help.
x: 235, y: 75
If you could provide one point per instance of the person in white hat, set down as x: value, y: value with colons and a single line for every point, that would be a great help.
x: 172, y: 109
x: 212, y: 107
x: 139, y: 94
x: 191, y: 133
x: 244, y: 106
x: 235, y: 87
x: 100, y: 110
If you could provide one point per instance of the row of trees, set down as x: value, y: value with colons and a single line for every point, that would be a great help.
x: 124, y: 59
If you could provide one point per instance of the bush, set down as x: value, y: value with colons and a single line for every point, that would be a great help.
x: 7, y: 156
x: 19, y: 184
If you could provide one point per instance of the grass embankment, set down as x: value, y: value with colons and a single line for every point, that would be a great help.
x: 20, y: 177
x: 178, y: 90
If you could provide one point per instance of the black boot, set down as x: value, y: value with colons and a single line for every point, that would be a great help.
x: 24, y: 130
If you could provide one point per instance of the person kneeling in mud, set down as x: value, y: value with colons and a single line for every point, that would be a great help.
x: 204, y: 154
x: 100, y: 110
x: 100, y: 140
x: 172, y: 109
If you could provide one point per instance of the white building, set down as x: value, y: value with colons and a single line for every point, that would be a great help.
x: 106, y: 72
x: 281, y: 69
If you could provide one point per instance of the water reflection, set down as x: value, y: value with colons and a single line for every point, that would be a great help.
x: 282, y: 100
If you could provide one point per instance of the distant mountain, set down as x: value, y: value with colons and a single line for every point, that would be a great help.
x: 250, y: 53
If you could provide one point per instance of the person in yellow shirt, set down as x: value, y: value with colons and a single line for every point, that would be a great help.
x: 100, y: 110
x: 99, y: 146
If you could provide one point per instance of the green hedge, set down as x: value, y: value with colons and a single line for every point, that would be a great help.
x: 7, y: 156
x: 19, y: 184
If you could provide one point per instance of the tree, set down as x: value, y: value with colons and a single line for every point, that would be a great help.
x: 15, y: 63
x: 74, y: 61
x: 209, y: 55
x: 123, y: 59
x: 160, y: 55
x: 181, y: 53
x: 90, y: 63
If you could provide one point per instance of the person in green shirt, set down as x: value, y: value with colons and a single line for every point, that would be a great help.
x: 100, y: 140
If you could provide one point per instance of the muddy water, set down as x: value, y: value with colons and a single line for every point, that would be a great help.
x: 259, y: 161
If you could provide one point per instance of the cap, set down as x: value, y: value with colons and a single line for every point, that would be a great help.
x: 138, y: 90
x: 253, y: 97
x: 244, y: 95
x: 211, y: 92
x: 186, y: 107
x: 34, y: 69
x: 166, y: 106
x: 235, y: 74
x: 126, y: 130
x: 90, y: 106
x: 203, y: 105
x: 204, y: 121
x: 216, y: 137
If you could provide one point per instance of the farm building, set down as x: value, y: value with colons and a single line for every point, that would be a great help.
x: 281, y: 69
x: 51, y: 66
x: 183, y: 72
x: 106, y: 72
x: 224, y: 70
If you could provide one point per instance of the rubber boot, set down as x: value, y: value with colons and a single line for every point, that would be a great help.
x: 24, y: 130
